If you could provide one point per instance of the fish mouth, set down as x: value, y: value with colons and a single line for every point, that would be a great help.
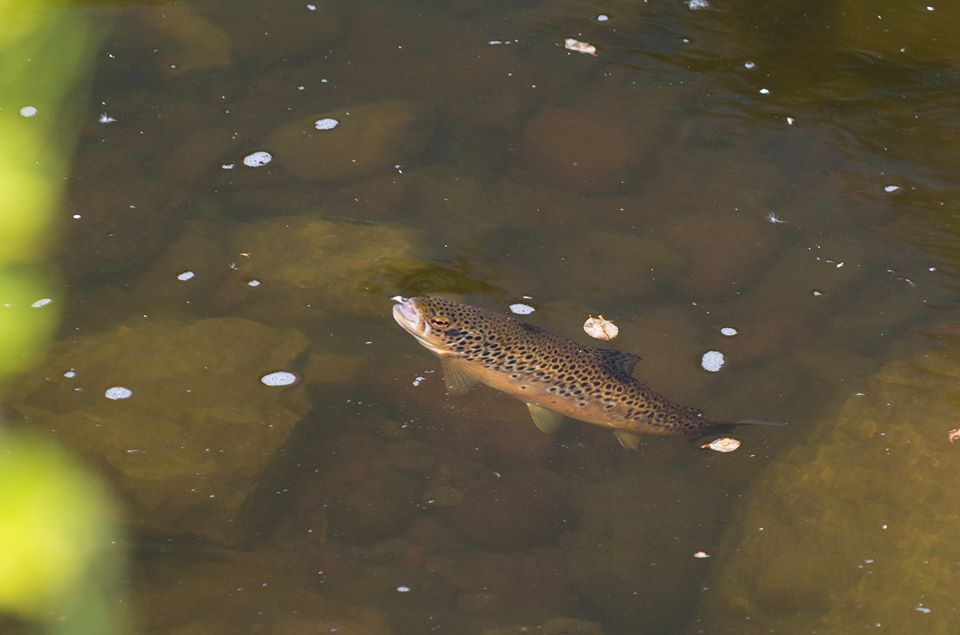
x: 407, y: 315
x: 411, y: 318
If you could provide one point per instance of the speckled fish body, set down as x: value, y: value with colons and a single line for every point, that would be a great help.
x: 554, y: 376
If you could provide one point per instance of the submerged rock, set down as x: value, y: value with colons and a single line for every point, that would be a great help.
x: 858, y: 527
x: 722, y: 253
x: 518, y: 510
x: 194, y: 591
x: 203, y: 37
x: 631, y: 555
x: 380, y: 505
x: 175, y: 414
x: 303, y: 264
x: 581, y: 149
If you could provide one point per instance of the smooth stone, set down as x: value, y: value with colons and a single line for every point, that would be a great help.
x: 188, y: 448
x: 865, y: 514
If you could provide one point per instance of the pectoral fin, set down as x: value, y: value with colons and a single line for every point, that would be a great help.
x: 547, y: 420
x: 628, y: 440
x: 456, y: 376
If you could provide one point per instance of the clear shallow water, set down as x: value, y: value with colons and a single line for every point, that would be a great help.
x: 656, y: 184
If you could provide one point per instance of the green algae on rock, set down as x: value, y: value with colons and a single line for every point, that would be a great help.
x: 307, y: 263
x: 856, y: 527
x: 189, y: 443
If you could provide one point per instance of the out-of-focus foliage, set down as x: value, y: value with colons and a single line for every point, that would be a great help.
x: 60, y: 568
x: 60, y: 555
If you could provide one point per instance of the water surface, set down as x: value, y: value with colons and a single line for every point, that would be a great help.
x: 786, y: 171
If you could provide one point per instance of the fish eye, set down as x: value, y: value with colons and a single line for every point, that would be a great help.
x: 440, y: 322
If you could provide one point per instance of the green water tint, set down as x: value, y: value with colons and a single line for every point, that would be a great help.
x: 638, y: 185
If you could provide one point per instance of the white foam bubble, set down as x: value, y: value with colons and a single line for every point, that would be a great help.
x: 253, y: 283
x: 603, y: 17
x: 257, y: 159
x: 522, y: 309
x: 729, y: 331
x: 278, y: 378
x: 184, y: 276
x: 712, y: 361
x: 42, y: 302
x: 118, y: 392
x: 889, y: 189
x: 28, y: 111
x: 70, y: 374
x: 697, y: 5
x: 327, y: 123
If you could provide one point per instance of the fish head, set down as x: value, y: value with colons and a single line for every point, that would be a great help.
x: 436, y: 323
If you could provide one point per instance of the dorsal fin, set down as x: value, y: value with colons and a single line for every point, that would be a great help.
x: 617, y: 362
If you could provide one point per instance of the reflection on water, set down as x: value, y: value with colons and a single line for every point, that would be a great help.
x: 786, y: 172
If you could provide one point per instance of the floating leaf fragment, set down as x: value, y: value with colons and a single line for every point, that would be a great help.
x: 954, y: 435
x: 600, y: 328
x: 723, y: 444
x: 572, y: 44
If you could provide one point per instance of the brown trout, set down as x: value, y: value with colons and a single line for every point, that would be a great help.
x: 554, y: 376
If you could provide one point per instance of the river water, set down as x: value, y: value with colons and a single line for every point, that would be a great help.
x: 784, y: 170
